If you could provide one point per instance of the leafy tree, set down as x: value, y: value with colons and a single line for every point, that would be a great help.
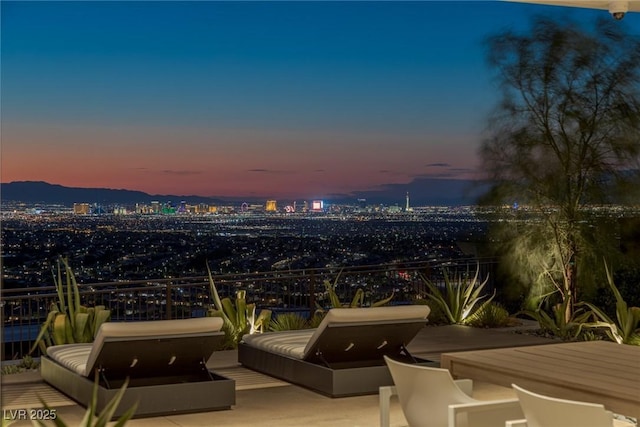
x: 565, y: 135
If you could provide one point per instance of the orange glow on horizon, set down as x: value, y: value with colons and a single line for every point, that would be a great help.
x: 218, y: 162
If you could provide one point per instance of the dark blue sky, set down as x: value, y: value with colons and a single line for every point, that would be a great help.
x: 281, y: 99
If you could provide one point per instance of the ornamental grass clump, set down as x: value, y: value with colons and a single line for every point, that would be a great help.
x: 491, y: 315
x: 288, y: 322
x: 68, y: 320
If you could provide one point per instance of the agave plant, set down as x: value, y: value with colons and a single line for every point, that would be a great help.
x: 238, y: 316
x: 627, y: 328
x: 461, y: 298
x: 356, y: 301
x: 68, y: 321
x: 91, y: 419
x: 556, y: 323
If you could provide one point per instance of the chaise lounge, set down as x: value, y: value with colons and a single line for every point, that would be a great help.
x: 344, y: 355
x: 165, y: 361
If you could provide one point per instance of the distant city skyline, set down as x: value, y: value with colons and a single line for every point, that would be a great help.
x: 250, y: 99
x: 431, y: 193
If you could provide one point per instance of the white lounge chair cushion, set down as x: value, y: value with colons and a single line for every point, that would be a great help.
x: 81, y: 358
x: 286, y: 343
x: 72, y: 356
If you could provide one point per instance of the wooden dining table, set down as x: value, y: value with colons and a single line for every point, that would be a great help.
x: 592, y: 371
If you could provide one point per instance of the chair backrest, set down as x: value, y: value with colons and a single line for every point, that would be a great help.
x: 425, y: 393
x: 351, y: 334
x: 152, y: 343
x: 545, y: 411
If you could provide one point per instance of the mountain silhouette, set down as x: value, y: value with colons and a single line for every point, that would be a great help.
x: 422, y: 191
x: 35, y: 192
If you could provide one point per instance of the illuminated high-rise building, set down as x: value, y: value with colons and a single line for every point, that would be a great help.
x: 317, y: 205
x: 81, y: 208
x: 119, y: 210
x: 271, y: 206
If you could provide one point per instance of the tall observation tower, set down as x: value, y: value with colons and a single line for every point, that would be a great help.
x: 407, y: 208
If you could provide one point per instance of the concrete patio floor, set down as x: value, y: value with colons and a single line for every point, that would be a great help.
x: 285, y: 406
x: 265, y: 401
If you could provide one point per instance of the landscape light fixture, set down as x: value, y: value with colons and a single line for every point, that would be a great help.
x: 617, y: 8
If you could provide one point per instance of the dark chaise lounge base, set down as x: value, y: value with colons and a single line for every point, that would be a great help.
x: 155, y: 396
x: 342, y: 380
x: 164, y: 361
x: 344, y: 355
